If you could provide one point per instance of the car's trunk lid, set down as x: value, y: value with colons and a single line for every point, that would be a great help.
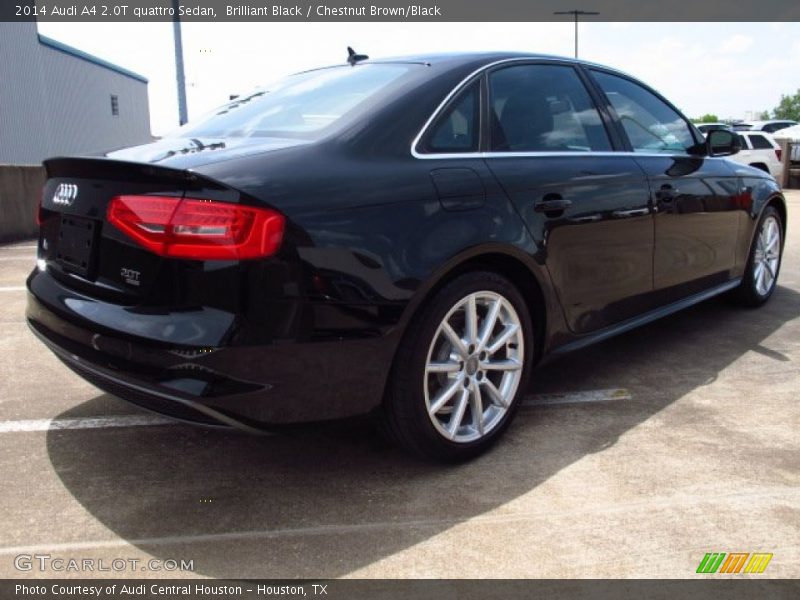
x: 188, y: 153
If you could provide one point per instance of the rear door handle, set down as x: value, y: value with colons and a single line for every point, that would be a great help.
x: 666, y: 193
x: 634, y: 212
x: 552, y: 203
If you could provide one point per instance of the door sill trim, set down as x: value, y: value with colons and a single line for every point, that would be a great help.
x: 647, y: 317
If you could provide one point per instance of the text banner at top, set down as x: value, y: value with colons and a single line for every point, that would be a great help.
x: 433, y: 11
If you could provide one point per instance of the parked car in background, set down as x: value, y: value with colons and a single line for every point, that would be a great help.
x: 760, y: 150
x: 793, y: 135
x: 768, y: 126
x: 406, y: 238
x: 706, y: 127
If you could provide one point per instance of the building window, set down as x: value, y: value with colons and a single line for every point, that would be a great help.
x: 114, y: 105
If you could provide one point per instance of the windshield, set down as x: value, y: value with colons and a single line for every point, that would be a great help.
x: 301, y: 105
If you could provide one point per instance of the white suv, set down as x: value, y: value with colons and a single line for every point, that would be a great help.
x: 761, y: 151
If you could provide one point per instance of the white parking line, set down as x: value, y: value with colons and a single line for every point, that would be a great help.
x: 84, y: 423
x: 609, y: 395
x: 12, y: 288
x: 30, y: 425
x: 26, y: 257
x: 25, y: 247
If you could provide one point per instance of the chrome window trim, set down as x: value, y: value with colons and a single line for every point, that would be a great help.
x: 453, y: 155
x: 463, y: 83
x: 447, y: 99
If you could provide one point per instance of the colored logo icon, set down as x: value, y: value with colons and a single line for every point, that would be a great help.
x: 734, y: 562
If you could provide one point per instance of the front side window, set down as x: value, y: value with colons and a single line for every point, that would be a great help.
x: 650, y: 123
x: 299, y: 106
x: 543, y: 108
x: 457, y: 129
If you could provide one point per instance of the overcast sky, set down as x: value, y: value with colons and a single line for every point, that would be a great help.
x: 723, y: 68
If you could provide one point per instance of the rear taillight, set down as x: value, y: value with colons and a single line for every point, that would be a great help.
x: 778, y: 153
x: 197, y: 229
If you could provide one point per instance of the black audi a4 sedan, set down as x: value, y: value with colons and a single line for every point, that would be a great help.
x: 405, y: 238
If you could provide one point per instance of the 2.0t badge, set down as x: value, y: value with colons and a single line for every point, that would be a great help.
x: 65, y: 194
x: 130, y: 276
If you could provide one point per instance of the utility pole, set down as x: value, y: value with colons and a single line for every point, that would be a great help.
x: 575, y: 14
x: 179, y: 73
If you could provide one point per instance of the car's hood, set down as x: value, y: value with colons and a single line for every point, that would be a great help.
x: 187, y: 153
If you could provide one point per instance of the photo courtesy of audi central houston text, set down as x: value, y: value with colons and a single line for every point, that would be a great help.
x: 405, y: 239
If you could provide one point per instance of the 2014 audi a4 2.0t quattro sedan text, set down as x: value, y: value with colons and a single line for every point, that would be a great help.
x: 405, y: 238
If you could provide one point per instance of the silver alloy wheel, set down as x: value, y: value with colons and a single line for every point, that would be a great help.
x: 767, y: 256
x: 474, y: 366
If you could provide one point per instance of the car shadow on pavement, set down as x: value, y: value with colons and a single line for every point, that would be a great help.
x: 328, y: 501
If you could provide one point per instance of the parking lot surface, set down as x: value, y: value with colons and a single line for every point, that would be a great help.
x: 636, y: 457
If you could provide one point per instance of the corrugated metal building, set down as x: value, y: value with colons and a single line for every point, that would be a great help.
x: 56, y: 100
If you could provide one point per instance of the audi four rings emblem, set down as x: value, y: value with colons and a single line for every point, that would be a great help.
x: 65, y: 194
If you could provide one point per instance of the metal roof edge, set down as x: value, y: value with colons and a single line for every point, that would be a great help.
x: 56, y: 45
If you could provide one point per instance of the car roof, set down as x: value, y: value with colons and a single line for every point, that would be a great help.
x: 478, y: 60
x: 767, y: 122
x: 455, y: 58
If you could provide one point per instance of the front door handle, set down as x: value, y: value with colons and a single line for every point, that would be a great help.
x: 552, y: 204
x: 634, y: 212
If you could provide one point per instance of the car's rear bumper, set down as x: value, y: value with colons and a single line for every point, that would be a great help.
x: 251, y: 387
x: 143, y: 394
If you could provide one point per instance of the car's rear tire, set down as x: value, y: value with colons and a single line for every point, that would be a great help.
x: 456, y: 382
x: 764, y: 263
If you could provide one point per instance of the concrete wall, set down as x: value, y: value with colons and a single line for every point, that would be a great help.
x: 20, y: 192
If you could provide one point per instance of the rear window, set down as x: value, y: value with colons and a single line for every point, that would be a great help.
x: 300, y: 106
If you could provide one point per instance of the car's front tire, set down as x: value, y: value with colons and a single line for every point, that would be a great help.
x: 461, y: 369
x: 764, y: 262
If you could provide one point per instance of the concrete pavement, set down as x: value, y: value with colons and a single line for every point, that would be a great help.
x: 703, y: 455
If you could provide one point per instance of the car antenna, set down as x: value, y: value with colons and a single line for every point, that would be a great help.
x: 354, y: 58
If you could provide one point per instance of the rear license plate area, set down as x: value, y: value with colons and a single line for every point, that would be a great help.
x: 75, y: 244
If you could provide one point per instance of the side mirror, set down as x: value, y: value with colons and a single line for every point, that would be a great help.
x: 721, y: 142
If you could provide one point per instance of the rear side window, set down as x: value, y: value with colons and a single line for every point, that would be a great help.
x: 457, y: 129
x: 543, y: 108
x: 650, y: 123
x: 759, y: 142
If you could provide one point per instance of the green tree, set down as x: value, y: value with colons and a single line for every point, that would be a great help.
x: 788, y: 107
x: 707, y: 118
